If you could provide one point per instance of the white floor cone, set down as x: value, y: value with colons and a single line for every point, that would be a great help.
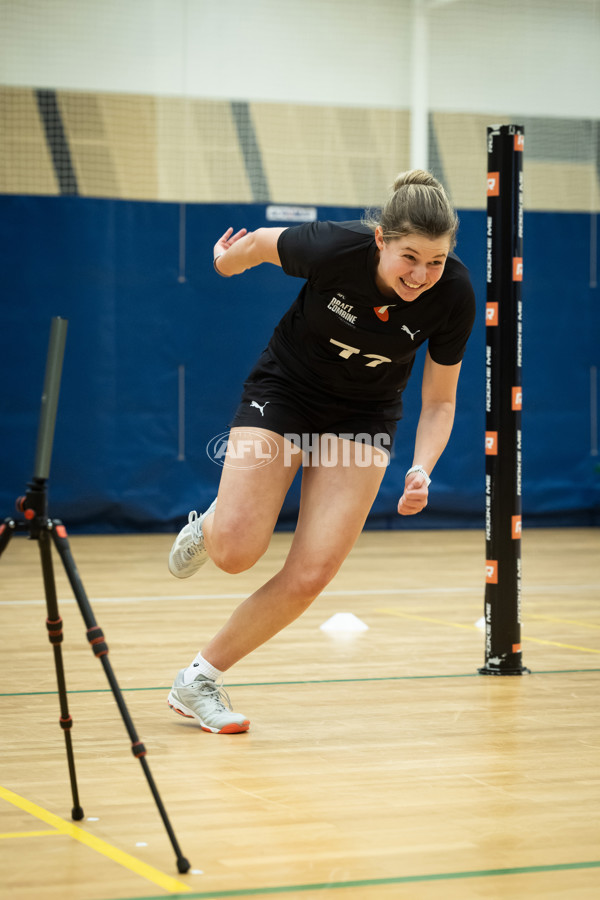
x: 341, y: 622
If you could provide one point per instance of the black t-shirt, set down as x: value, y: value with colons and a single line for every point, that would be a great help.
x: 343, y: 336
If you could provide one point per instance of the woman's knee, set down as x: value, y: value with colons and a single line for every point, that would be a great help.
x: 234, y: 561
x: 232, y: 550
x: 309, y: 579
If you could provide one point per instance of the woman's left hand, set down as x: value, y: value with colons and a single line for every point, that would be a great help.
x: 415, y: 495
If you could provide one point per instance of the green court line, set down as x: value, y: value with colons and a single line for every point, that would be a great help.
x: 379, y: 882
x: 302, y: 681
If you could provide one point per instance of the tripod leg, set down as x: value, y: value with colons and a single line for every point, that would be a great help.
x: 55, y: 634
x: 6, y: 532
x: 95, y: 636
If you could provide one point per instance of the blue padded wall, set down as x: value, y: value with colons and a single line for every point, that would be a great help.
x: 140, y: 306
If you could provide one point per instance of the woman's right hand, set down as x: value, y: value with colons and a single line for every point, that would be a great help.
x: 227, y: 240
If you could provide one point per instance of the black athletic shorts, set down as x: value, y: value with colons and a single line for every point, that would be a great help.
x: 272, y: 399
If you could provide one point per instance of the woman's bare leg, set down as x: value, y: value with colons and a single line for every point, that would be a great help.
x: 334, y: 505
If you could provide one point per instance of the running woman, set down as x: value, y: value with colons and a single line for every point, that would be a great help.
x: 336, y: 367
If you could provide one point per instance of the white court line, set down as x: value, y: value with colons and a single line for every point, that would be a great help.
x: 370, y: 592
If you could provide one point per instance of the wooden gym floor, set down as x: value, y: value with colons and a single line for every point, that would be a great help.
x: 379, y: 765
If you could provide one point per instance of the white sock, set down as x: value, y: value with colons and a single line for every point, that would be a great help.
x: 200, y: 666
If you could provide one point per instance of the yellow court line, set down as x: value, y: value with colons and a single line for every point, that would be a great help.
x: 97, y: 844
x: 396, y: 612
x: 557, y: 644
x: 564, y: 621
x: 22, y: 834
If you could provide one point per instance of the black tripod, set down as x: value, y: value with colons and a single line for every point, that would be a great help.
x: 39, y: 527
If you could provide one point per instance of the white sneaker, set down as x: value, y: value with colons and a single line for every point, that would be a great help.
x: 202, y: 700
x: 188, y: 553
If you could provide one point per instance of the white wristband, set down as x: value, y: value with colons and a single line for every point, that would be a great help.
x: 422, y: 471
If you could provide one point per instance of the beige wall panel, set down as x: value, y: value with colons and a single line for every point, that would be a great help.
x: 462, y: 145
x: 25, y: 161
x: 330, y: 155
x: 130, y: 129
x: 301, y: 152
x: 198, y: 153
x: 143, y: 147
x: 89, y: 144
x: 561, y: 186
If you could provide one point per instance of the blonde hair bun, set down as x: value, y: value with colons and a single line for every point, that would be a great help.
x: 416, y: 176
x: 418, y: 204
